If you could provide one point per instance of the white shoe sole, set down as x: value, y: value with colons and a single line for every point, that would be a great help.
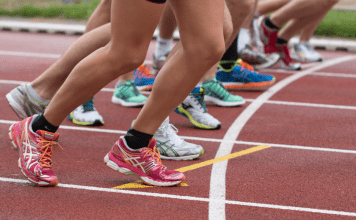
x: 126, y: 104
x: 222, y: 103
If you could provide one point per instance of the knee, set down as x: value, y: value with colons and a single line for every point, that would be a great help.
x: 206, y: 51
x: 124, y: 60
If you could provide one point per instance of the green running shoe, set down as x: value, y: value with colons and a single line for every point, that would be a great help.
x: 127, y: 95
x: 215, y: 92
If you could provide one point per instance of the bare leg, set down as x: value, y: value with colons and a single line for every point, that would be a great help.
x: 171, y: 86
x: 47, y: 84
x: 299, y: 9
x: 167, y: 23
x: 267, y: 6
x: 100, y: 16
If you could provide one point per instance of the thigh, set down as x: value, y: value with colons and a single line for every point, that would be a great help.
x: 133, y: 22
x: 199, y: 20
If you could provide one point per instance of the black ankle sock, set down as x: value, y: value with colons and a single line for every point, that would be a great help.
x: 230, y: 56
x: 269, y: 24
x: 41, y: 123
x: 281, y: 41
x: 137, y: 139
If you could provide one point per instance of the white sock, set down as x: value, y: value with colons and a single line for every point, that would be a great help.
x: 243, y: 39
x: 163, y: 46
x: 34, y: 94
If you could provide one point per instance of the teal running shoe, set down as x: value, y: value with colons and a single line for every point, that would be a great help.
x: 127, y: 95
x: 215, y: 92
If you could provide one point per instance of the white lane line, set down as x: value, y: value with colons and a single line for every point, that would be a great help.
x: 189, y: 198
x: 27, y: 54
x: 296, y: 147
x: 345, y: 107
x: 40, y: 55
x: 218, y: 173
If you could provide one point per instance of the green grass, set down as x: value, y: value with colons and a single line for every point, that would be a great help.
x: 338, y: 24
x: 51, y: 9
x: 335, y: 24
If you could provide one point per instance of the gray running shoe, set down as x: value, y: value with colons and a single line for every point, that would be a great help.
x: 193, y: 108
x: 258, y: 60
x: 215, y: 92
x: 172, y: 147
x: 23, y: 104
x: 157, y: 63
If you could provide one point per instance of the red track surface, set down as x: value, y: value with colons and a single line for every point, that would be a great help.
x: 304, y: 175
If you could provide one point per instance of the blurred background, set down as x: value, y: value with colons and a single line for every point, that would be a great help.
x: 339, y: 22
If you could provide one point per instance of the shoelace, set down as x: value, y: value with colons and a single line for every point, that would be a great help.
x: 221, y: 88
x: 131, y: 88
x: 142, y: 71
x: 88, y: 105
x: 170, y: 130
x: 199, y: 97
x: 155, y: 154
x: 47, y: 148
x: 245, y: 65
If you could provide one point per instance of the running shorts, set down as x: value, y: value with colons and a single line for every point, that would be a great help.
x: 157, y: 1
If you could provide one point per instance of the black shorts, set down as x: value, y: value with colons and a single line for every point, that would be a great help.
x: 157, y: 1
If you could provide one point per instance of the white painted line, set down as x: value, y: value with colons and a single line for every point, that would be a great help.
x: 218, y: 173
x: 41, y: 55
x: 27, y: 54
x: 345, y: 75
x: 344, y: 107
x: 189, y: 198
x: 111, y: 131
x: 304, y: 104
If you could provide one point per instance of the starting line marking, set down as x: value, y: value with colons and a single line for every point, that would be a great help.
x: 139, y: 184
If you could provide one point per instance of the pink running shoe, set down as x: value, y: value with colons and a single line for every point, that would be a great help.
x: 35, y: 150
x: 286, y: 61
x: 269, y: 38
x: 144, y: 163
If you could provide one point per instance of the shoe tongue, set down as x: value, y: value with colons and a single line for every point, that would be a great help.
x: 49, y: 136
x: 152, y: 143
x: 196, y: 90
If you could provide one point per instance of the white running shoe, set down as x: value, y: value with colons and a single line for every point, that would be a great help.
x: 23, y: 104
x: 172, y: 147
x: 86, y: 114
x: 304, y: 52
x: 193, y: 108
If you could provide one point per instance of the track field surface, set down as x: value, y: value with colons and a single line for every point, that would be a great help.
x: 290, y: 150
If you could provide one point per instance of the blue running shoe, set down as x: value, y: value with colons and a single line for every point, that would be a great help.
x: 143, y: 78
x: 243, y: 76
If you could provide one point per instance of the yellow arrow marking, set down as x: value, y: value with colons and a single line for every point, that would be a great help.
x: 219, y: 159
x: 138, y: 184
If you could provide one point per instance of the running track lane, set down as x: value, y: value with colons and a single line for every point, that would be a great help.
x: 244, y: 210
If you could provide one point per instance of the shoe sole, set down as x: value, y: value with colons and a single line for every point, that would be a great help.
x: 189, y: 157
x: 186, y: 114
x: 95, y: 123
x: 146, y: 180
x: 144, y: 88
x: 16, y: 107
x: 14, y: 146
x: 222, y: 103
x: 233, y: 85
x: 118, y: 101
